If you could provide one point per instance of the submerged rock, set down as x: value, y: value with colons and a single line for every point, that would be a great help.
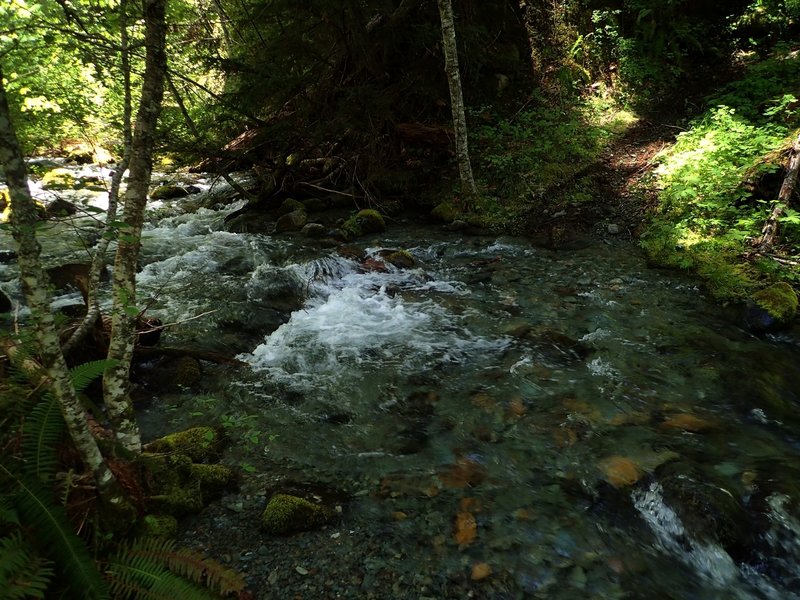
x: 772, y: 308
x: 287, y: 514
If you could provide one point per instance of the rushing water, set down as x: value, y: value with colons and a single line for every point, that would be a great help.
x: 585, y: 426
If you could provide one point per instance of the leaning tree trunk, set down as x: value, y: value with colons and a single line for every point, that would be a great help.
x: 35, y: 287
x: 770, y: 229
x: 456, y: 98
x: 116, y: 381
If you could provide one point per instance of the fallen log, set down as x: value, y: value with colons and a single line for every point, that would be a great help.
x: 770, y: 229
x: 215, y: 357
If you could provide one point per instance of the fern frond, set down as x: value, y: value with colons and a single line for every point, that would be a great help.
x: 8, y: 516
x: 188, y: 564
x: 84, y: 374
x: 55, y: 538
x: 141, y: 578
x: 22, y: 573
x: 42, y: 432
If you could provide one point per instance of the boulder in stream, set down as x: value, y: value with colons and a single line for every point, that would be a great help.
x: 168, y: 192
x: 772, y: 308
x: 293, y: 221
x: 363, y: 222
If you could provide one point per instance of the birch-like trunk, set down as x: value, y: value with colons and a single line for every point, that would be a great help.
x: 99, y: 260
x: 456, y: 98
x: 770, y: 229
x: 35, y: 288
x: 116, y: 380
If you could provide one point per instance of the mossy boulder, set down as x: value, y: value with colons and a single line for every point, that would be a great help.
x: 445, y: 212
x: 61, y: 208
x: 200, y: 444
x: 159, y: 525
x: 314, y: 230
x: 364, y: 222
x: 185, y: 371
x: 401, y: 259
x: 772, y: 308
x: 290, y: 205
x: 287, y: 514
x: 168, y: 192
x: 293, y: 221
x: 313, y: 205
x: 214, y: 479
x: 58, y: 179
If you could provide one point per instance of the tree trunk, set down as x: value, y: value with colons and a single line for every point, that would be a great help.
x: 116, y: 381
x: 456, y: 98
x: 35, y: 287
x: 770, y: 229
x: 99, y: 260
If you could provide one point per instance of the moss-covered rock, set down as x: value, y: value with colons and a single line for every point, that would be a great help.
x: 159, y: 525
x: 168, y: 192
x: 313, y: 205
x: 293, y: 221
x: 180, y: 500
x: 186, y: 371
x: 772, y: 308
x: 445, y: 212
x: 401, y: 259
x: 363, y: 222
x: 214, y: 479
x: 58, y: 179
x: 200, y: 444
x: 286, y: 514
x: 290, y: 205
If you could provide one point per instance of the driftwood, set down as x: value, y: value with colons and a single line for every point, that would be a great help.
x: 770, y: 230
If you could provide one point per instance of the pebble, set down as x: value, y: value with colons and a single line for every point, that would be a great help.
x: 301, y: 570
x: 481, y: 571
x: 614, y: 229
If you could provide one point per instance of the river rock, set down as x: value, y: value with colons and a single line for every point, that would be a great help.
x: 276, y: 288
x: 772, y: 308
x: 364, y: 222
x: 168, y: 192
x: 444, y: 212
x: 286, y: 514
x: 293, y: 221
x: 314, y: 230
x: 61, y: 208
x: 709, y: 512
x: 58, y: 179
x: 290, y: 205
x: 401, y: 259
x: 7, y: 256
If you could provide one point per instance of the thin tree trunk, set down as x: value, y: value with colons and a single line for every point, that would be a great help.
x: 116, y: 381
x: 456, y: 98
x: 99, y: 260
x: 770, y: 229
x: 35, y: 287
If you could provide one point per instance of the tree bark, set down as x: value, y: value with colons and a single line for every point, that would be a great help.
x: 116, y: 381
x: 770, y: 229
x: 456, y: 98
x: 99, y: 260
x: 35, y: 284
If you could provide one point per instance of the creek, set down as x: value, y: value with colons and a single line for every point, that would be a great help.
x: 496, y: 421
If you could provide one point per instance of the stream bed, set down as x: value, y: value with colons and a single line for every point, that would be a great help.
x: 496, y: 421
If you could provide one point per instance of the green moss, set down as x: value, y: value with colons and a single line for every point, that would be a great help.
x: 200, y: 444
x: 214, y: 479
x: 286, y: 514
x: 401, y: 259
x: 363, y: 222
x: 159, y: 525
x: 58, y: 179
x: 778, y: 300
x: 445, y: 212
x: 290, y: 205
x: 186, y: 371
x: 180, y: 500
x: 168, y: 192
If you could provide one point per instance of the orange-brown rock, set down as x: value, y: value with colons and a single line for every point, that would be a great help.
x: 620, y: 471
x: 466, y: 528
x: 480, y: 571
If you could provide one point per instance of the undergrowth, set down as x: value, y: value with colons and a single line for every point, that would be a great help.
x: 522, y: 160
x: 718, y: 182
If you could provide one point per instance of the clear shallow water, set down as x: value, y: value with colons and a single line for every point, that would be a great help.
x: 584, y: 425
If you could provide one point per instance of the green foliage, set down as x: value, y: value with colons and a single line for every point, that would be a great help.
x: 85, y: 373
x: 155, y: 568
x: 711, y: 203
x: 41, y: 433
x: 23, y: 574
